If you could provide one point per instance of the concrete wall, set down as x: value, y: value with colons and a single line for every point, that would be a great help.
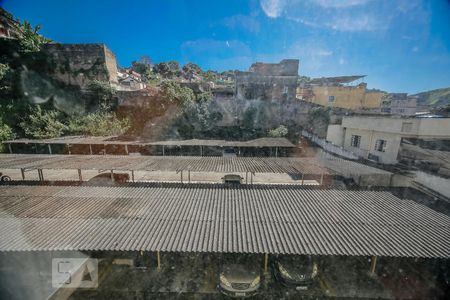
x: 335, y: 135
x: 368, y: 142
x: 373, y: 99
x: 391, y: 130
x: 350, y: 97
x: 111, y: 64
x: 414, y: 127
x: 79, y: 64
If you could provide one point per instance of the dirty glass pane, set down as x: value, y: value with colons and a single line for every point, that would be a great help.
x: 269, y: 149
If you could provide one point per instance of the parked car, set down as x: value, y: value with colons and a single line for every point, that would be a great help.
x: 240, y: 278
x: 232, y: 178
x: 298, y: 272
x: 105, y: 178
x: 4, y: 177
x: 229, y: 152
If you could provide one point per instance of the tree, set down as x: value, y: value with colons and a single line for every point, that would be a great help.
x: 30, y: 39
x: 190, y: 70
x: 280, y: 131
x: 40, y: 124
x: 210, y: 76
x: 104, y: 96
x: 175, y: 93
x: 144, y: 67
x: 99, y: 123
x: 145, y: 60
x: 162, y: 68
x: 6, y: 133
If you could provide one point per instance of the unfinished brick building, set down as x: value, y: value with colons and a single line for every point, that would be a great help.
x: 268, y: 81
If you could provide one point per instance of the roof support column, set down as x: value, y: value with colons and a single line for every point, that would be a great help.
x: 373, y: 265
x: 201, y: 150
x: 10, y: 148
x: 321, y: 178
x: 266, y: 263
x: 126, y: 149
x: 90, y: 149
x: 68, y: 148
x: 303, y: 178
x: 158, y: 261
x: 163, y: 150
x: 40, y: 175
x: 35, y: 148
x: 22, y: 170
x: 276, y: 151
x: 189, y: 176
x: 49, y: 149
x: 132, y: 175
x: 80, y: 178
x: 246, y: 177
x: 112, y: 175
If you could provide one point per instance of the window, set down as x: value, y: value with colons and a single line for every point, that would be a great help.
x: 331, y: 98
x: 380, y: 145
x: 355, y: 141
x: 407, y: 127
x: 285, y: 89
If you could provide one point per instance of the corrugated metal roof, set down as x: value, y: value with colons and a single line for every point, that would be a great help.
x: 216, y: 218
x: 335, y: 80
x: 113, y: 140
x: 163, y: 163
x: 305, y: 165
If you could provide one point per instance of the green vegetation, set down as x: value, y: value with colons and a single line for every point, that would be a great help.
x: 41, y: 124
x: 434, y: 98
x: 280, y: 131
x: 34, y: 105
x: 100, y: 123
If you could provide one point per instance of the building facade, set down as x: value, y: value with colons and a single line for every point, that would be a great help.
x: 271, y: 82
x: 379, y: 138
x: 80, y: 64
x: 398, y: 104
x: 335, y: 92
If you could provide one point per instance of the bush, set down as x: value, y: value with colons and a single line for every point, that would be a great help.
x: 43, y: 124
x: 101, y: 123
x: 6, y: 133
x: 280, y: 131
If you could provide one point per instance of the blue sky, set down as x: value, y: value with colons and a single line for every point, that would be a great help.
x: 403, y: 46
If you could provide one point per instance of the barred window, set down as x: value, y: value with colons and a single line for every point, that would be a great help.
x: 355, y: 141
x: 380, y: 145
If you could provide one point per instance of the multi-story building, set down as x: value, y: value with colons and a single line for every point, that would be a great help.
x: 379, y: 138
x: 268, y: 81
x: 398, y: 104
x: 338, y: 92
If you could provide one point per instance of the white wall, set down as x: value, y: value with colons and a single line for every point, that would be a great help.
x: 426, y: 127
x: 335, y: 135
x: 368, y: 141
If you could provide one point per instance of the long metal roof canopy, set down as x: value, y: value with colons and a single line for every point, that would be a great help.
x: 79, y: 140
x: 163, y: 163
x: 214, y: 218
x: 193, y: 163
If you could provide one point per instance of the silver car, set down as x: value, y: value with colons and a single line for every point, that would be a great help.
x: 240, y: 280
